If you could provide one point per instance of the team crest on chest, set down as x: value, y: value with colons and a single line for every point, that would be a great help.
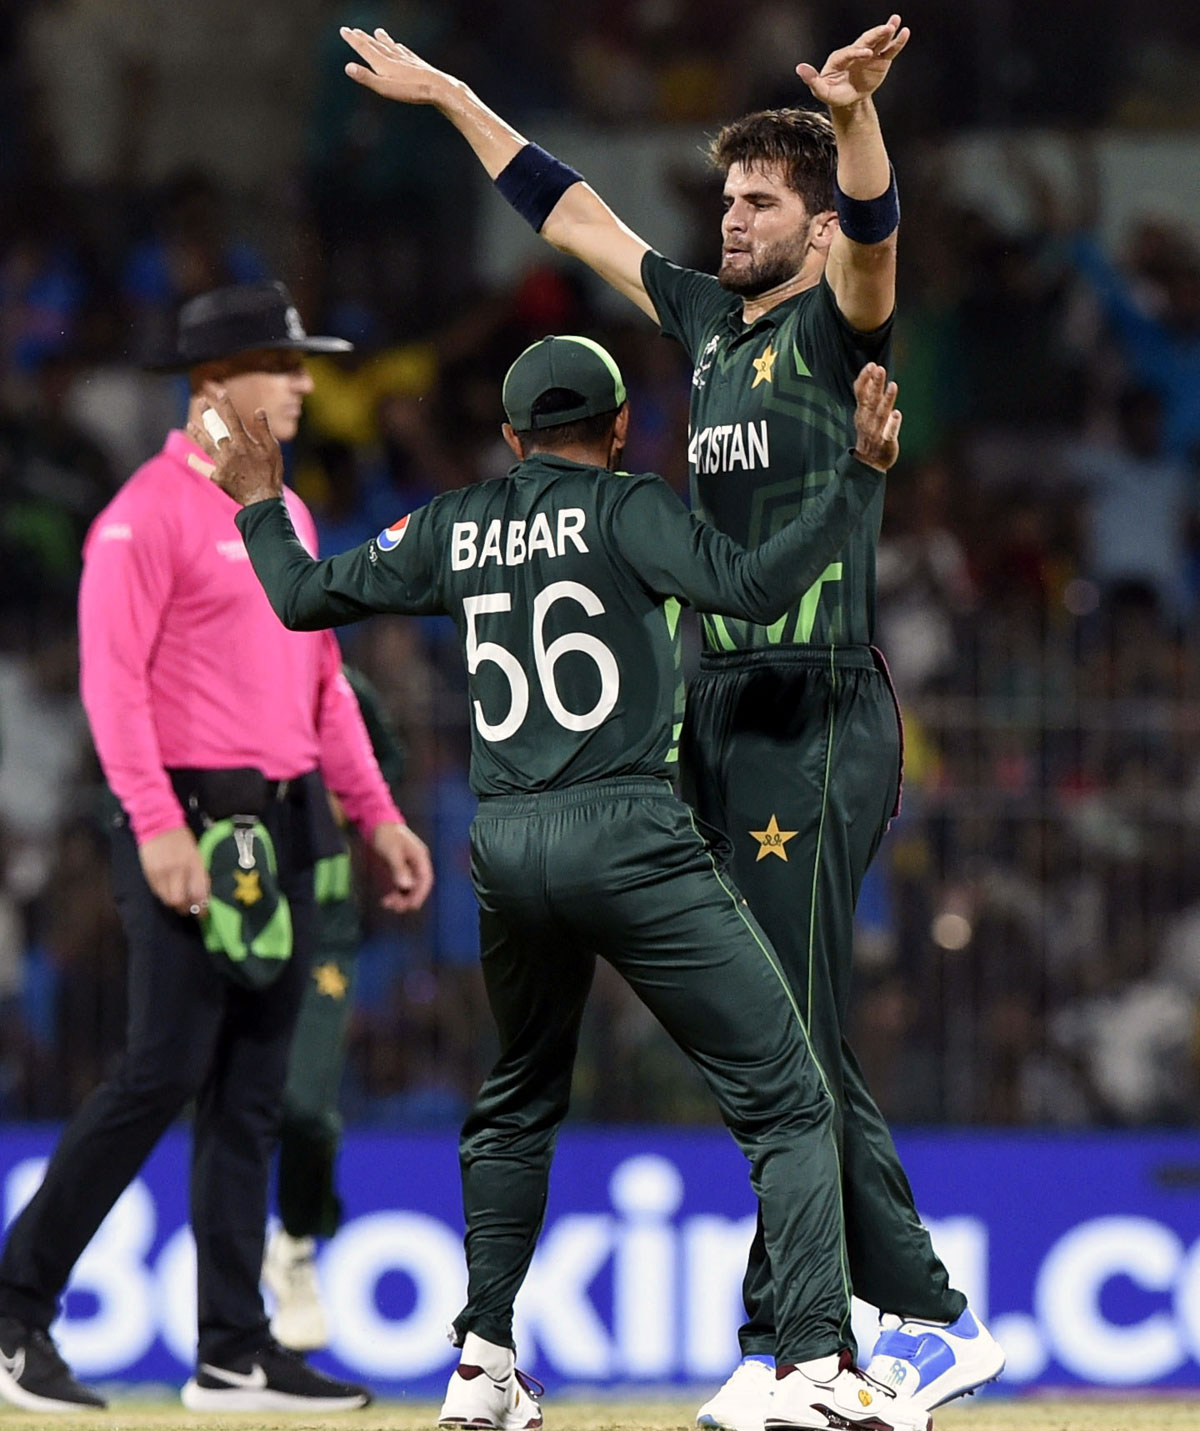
x: 391, y: 537
x: 764, y: 367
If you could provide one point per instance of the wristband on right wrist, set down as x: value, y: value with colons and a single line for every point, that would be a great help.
x: 533, y: 181
x: 868, y: 220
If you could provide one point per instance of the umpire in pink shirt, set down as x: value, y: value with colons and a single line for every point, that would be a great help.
x: 200, y: 703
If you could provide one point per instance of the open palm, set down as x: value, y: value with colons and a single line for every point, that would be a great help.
x: 388, y: 67
x: 855, y: 72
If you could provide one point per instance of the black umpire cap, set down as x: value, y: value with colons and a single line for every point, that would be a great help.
x: 576, y: 366
x: 240, y: 318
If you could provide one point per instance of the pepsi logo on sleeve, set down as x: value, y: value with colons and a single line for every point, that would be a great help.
x: 391, y: 537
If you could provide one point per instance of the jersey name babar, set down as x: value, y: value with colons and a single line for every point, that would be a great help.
x: 514, y: 542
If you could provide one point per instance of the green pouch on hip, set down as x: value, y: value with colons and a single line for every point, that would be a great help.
x: 248, y: 927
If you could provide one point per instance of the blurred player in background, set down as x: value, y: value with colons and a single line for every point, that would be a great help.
x: 306, y: 1191
x: 792, y: 742
x: 560, y: 579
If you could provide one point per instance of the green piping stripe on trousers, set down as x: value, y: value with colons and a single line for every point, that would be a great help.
x: 812, y: 902
x: 769, y: 956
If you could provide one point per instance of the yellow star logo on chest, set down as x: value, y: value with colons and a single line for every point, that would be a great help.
x: 246, y: 888
x: 764, y: 367
x: 771, y: 841
x: 330, y: 981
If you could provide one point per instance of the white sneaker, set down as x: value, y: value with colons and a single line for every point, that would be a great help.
x: 847, y: 1399
x: 290, y: 1274
x: 743, y: 1402
x: 501, y: 1398
x: 932, y: 1362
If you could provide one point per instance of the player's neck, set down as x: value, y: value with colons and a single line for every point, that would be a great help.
x: 754, y: 308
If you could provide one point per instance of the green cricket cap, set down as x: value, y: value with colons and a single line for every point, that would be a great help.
x: 575, y: 365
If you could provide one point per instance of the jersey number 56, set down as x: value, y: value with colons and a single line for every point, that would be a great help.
x: 545, y: 658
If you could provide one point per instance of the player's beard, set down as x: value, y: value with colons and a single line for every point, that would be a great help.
x: 777, y: 263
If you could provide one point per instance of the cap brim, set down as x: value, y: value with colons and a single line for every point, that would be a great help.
x: 175, y: 363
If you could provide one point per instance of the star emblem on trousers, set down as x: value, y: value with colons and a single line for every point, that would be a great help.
x: 772, y: 840
x: 764, y: 367
x: 330, y: 981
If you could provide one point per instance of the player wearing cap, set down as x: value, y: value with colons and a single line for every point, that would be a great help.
x: 561, y: 580
x: 207, y: 716
x: 791, y: 724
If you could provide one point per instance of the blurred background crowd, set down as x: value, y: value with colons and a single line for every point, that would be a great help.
x: 1029, y: 939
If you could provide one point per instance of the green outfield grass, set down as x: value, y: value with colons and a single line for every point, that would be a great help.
x: 567, y: 1414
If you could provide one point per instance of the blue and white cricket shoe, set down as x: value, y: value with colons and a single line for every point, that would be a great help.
x: 932, y: 1362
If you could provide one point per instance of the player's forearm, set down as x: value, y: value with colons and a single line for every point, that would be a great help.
x: 567, y: 213
x: 785, y: 566
x: 495, y: 142
x: 301, y: 591
x: 863, y: 168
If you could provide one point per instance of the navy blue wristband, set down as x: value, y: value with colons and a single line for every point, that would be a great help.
x: 533, y: 182
x: 868, y: 220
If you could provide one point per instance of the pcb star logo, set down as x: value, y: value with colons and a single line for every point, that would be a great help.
x: 764, y: 367
x: 771, y: 841
x: 246, y: 888
x: 330, y: 981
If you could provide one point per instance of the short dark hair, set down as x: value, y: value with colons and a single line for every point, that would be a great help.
x: 585, y: 430
x: 799, y: 141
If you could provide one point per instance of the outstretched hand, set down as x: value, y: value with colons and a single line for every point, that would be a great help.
x: 876, y: 418
x: 248, y: 464
x: 389, y: 68
x: 854, y: 73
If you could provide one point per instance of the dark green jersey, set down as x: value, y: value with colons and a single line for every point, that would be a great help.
x: 559, y: 578
x: 772, y: 410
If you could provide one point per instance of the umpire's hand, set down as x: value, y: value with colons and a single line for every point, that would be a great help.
x: 175, y: 871
x: 876, y: 418
x: 409, y: 865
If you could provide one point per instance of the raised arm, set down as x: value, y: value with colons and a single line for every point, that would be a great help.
x: 561, y: 207
x: 861, y: 268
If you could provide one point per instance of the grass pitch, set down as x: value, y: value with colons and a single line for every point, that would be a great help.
x: 566, y: 1414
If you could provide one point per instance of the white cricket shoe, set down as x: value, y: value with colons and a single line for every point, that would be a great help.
x: 743, y: 1402
x: 845, y: 1398
x: 290, y: 1273
x: 494, y: 1395
x: 933, y: 1362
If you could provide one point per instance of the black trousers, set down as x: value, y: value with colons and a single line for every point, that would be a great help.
x: 193, y: 1034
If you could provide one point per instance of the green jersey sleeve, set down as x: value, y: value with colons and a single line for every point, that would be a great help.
x: 393, y: 572
x: 674, y: 553
x: 688, y: 303
x: 832, y: 346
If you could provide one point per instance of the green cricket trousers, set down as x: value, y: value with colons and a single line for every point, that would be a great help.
x: 310, y: 1132
x: 617, y: 869
x: 794, y: 753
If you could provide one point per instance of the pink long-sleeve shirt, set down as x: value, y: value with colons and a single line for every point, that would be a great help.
x: 184, y: 664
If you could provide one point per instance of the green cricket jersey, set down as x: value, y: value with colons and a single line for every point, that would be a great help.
x: 772, y: 410
x: 560, y: 579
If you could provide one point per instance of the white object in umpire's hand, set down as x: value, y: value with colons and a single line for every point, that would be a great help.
x: 215, y: 425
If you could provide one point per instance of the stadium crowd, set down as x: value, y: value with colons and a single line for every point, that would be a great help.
x: 1029, y: 940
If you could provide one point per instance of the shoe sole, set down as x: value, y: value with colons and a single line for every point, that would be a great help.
x: 836, y: 1419
x: 967, y: 1390
x: 204, y: 1398
x: 981, y: 1379
x: 25, y: 1400
x: 480, y: 1424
